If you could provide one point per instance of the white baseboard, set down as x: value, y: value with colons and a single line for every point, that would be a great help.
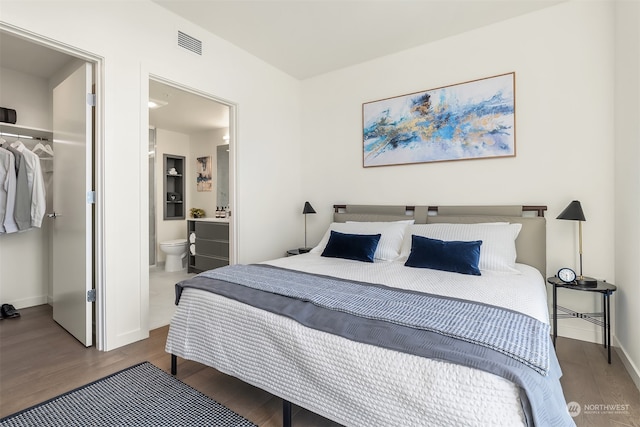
x: 593, y: 335
x: 29, y: 302
x: 632, y: 369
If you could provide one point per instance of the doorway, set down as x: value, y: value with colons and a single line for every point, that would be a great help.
x: 190, y: 128
x: 31, y: 90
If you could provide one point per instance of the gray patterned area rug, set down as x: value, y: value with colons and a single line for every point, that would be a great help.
x: 142, y: 395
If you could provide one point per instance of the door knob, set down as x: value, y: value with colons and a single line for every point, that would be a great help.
x: 53, y: 215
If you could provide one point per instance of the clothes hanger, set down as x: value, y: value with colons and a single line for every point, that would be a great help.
x: 38, y: 147
x: 18, y: 145
x: 44, y: 148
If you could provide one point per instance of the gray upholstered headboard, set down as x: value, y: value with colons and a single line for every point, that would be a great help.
x: 531, y: 244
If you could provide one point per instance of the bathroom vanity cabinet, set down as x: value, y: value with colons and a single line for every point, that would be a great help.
x: 208, y: 244
x: 174, y: 203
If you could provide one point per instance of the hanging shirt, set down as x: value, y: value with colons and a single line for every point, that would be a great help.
x: 7, y: 191
x: 22, y: 208
x: 36, y: 185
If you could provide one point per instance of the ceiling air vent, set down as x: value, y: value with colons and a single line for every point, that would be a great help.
x: 189, y: 43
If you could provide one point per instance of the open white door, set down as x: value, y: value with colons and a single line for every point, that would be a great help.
x: 72, y: 215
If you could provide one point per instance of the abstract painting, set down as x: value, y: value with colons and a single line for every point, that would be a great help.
x: 204, y: 181
x: 470, y: 120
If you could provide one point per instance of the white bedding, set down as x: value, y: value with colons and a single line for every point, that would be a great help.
x: 352, y: 383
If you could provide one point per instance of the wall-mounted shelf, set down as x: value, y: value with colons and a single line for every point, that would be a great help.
x: 174, y: 186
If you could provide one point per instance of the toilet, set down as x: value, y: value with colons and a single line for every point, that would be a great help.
x: 175, y: 251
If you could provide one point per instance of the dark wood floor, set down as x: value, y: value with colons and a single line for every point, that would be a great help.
x: 39, y: 360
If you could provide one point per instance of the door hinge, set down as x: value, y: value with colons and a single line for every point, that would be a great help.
x: 91, y: 99
x: 91, y: 295
x: 91, y: 197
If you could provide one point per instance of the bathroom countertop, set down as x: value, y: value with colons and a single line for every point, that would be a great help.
x: 210, y: 219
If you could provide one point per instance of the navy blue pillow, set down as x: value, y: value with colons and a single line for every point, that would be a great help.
x: 454, y: 256
x: 359, y: 247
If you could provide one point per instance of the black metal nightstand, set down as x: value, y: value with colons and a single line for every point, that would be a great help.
x: 604, y: 288
x: 298, y: 251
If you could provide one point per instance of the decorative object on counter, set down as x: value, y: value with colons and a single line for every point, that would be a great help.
x: 203, y: 180
x: 197, y: 213
x: 221, y: 211
x: 307, y: 209
x: 574, y: 212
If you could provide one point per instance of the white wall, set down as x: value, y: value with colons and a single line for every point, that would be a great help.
x: 29, y: 95
x: 627, y: 185
x: 563, y: 60
x: 139, y: 39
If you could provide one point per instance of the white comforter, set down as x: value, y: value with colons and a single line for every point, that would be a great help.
x: 352, y: 383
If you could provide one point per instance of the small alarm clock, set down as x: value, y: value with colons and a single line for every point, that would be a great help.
x: 567, y: 275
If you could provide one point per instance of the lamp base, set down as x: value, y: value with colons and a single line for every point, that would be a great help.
x: 304, y: 250
x: 586, y: 282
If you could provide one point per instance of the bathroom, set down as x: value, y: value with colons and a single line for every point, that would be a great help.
x: 188, y: 170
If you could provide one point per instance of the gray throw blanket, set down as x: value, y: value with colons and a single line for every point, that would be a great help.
x: 496, y: 340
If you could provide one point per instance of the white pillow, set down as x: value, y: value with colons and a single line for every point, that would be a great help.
x: 392, y: 236
x: 498, y: 249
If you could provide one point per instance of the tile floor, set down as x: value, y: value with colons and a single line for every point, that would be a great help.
x: 162, y: 295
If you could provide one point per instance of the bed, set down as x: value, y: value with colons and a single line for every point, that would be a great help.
x: 368, y: 351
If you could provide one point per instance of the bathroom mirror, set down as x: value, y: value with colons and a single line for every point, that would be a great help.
x: 222, y: 175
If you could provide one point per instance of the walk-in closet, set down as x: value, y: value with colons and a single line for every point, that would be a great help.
x: 26, y: 177
x: 44, y: 153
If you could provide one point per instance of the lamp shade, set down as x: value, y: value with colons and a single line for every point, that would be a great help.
x: 572, y: 212
x: 308, y: 209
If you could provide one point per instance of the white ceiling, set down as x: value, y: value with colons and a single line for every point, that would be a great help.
x: 305, y: 38
x: 185, y: 112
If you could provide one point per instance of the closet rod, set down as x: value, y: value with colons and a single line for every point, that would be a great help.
x: 15, y: 135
